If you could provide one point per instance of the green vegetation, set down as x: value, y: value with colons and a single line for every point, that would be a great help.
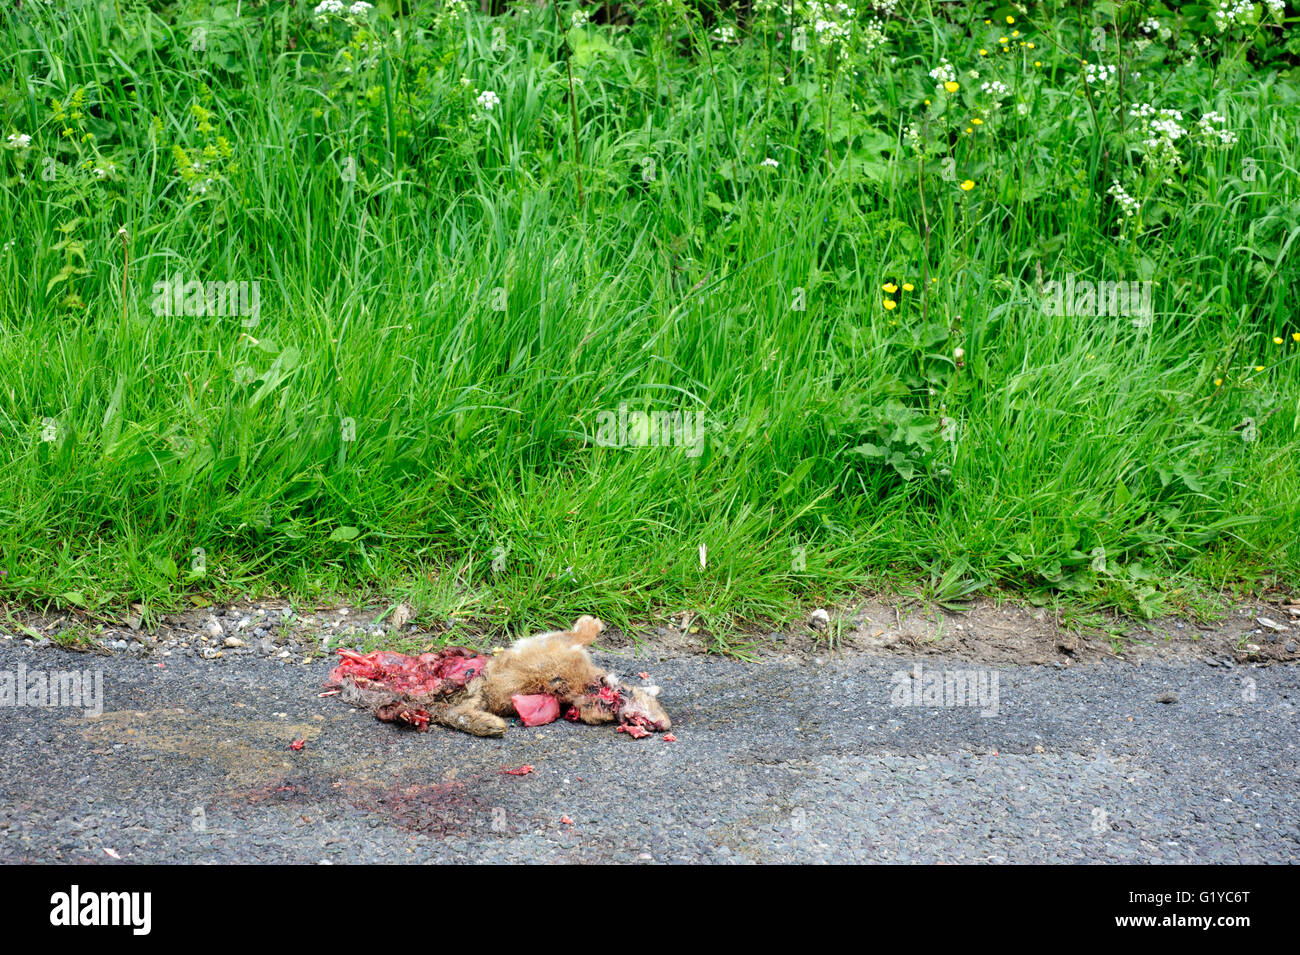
x: 321, y: 300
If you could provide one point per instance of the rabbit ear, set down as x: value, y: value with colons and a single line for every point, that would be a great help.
x: 652, y: 691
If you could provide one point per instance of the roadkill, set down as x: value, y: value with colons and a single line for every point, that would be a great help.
x: 538, y: 679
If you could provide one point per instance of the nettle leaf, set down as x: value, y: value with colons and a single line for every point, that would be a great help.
x: 344, y: 534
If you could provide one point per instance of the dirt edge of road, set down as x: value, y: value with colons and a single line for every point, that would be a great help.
x: 988, y: 632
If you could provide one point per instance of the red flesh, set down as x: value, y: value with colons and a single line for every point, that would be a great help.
x: 429, y: 673
x: 399, y: 712
x: 537, y: 709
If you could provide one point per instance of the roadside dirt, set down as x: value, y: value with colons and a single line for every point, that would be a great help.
x: 988, y: 632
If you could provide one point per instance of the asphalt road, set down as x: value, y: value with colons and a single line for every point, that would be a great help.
x: 779, y: 762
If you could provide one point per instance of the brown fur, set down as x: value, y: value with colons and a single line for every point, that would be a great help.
x: 554, y: 663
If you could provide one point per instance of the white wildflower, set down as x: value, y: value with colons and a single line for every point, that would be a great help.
x: 488, y: 100
x: 1207, y: 124
x: 1233, y: 14
x: 1098, y: 73
x: 944, y: 72
x: 872, y: 35
x: 1128, y: 205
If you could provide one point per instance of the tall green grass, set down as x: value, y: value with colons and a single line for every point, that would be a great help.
x: 442, y: 321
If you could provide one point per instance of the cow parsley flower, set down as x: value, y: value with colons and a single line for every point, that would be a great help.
x: 1162, y: 129
x: 1232, y: 14
x: 873, y: 35
x: 1207, y: 124
x: 944, y: 72
x: 1098, y: 73
x: 1128, y: 205
x: 488, y: 100
x: 995, y: 88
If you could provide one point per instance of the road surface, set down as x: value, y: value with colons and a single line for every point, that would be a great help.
x: 778, y: 762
